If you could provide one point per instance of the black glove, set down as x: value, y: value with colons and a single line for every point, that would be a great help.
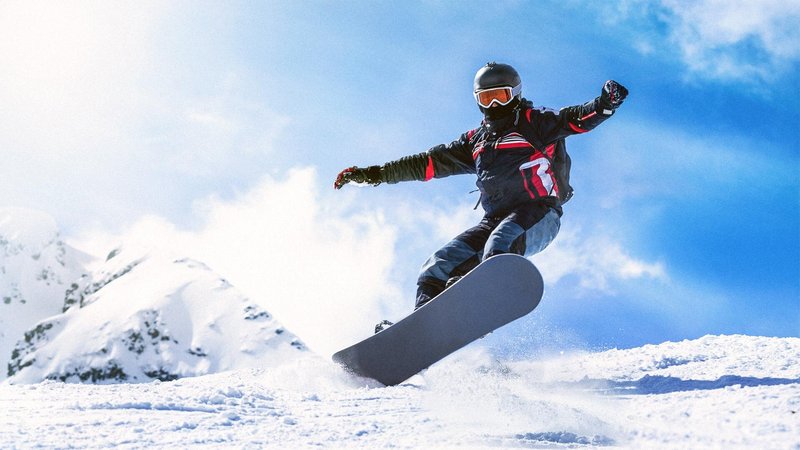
x: 370, y: 175
x: 613, y: 95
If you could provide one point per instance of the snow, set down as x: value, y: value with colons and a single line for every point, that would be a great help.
x: 713, y: 392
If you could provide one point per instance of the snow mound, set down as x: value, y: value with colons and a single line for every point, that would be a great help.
x: 144, y: 316
x: 704, y: 360
x: 36, y: 268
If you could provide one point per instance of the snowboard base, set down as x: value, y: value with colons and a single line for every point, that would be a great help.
x: 498, y: 291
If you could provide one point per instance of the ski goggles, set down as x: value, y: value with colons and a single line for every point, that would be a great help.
x: 500, y: 95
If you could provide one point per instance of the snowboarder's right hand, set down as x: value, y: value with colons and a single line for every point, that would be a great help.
x: 370, y: 175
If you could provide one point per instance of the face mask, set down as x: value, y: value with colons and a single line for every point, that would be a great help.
x: 500, y: 112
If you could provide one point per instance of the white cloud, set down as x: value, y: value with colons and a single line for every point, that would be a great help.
x: 598, y: 263
x: 736, y: 40
x: 754, y: 41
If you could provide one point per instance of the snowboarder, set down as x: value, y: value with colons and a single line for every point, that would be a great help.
x: 522, y: 170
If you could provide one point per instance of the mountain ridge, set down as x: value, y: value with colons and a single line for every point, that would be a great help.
x: 142, y: 314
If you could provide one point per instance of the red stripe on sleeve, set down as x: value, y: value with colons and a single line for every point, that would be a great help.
x: 512, y: 145
x: 429, y: 170
x: 576, y: 129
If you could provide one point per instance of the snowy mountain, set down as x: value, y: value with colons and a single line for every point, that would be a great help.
x: 717, y: 392
x: 36, y: 269
x: 145, y: 315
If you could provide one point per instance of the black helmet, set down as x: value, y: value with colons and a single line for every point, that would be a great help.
x: 506, y: 101
x: 495, y: 75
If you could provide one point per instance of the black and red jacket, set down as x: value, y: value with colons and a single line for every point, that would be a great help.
x: 512, y: 157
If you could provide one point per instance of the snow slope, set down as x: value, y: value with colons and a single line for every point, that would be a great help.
x: 145, y: 315
x: 714, y: 392
x: 36, y: 269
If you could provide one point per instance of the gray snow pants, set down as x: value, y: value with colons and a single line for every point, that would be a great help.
x: 525, y: 231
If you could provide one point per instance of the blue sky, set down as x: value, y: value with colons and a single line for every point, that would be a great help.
x: 686, y: 219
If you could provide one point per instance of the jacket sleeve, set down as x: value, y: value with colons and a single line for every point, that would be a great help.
x: 438, y: 162
x: 552, y: 125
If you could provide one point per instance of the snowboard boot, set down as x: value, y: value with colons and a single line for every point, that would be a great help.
x: 427, y: 290
x: 382, y: 326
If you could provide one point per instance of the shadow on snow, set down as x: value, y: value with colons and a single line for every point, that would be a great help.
x: 657, y: 384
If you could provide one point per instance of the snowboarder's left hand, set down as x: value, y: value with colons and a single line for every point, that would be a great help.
x: 370, y: 175
x: 613, y: 94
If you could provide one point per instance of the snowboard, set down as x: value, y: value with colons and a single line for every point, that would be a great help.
x: 498, y: 291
